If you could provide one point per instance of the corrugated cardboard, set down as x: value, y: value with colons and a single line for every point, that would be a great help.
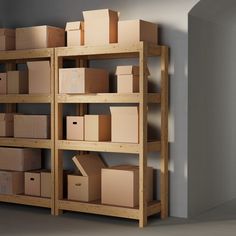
x: 75, y: 128
x: 97, y: 127
x: 3, y: 83
x: 11, y: 182
x: 17, y: 82
x: 20, y: 159
x: 46, y: 183
x: 7, y: 39
x: 32, y: 183
x: 100, y: 27
x: 127, y: 84
x: 39, y: 77
x: 6, y: 124
x: 120, y: 185
x: 75, y: 33
x: 39, y: 37
x: 83, y: 80
x: 32, y: 126
x: 124, y: 124
x: 133, y: 31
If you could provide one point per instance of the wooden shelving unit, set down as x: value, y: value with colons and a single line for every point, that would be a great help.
x: 10, y: 59
x: 83, y: 55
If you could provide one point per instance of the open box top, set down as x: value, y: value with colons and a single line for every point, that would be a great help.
x: 75, y: 25
x: 93, y: 14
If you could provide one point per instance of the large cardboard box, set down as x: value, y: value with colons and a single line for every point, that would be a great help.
x: 11, y: 182
x: 124, y: 124
x: 133, y: 31
x: 32, y: 183
x: 75, y: 128
x: 17, y: 82
x: 83, y: 80
x: 75, y: 33
x: 32, y: 126
x: 39, y: 37
x: 39, y: 77
x: 6, y: 124
x: 46, y: 183
x: 20, y: 159
x: 120, y: 185
x: 97, y: 127
x: 7, y: 39
x: 100, y: 27
x: 3, y: 83
x: 86, y: 187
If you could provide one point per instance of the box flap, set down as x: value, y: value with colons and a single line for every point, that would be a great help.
x: 7, y: 32
x: 38, y: 65
x: 75, y: 25
x: 93, y: 14
x: 124, y: 110
x: 129, y: 69
x: 90, y: 164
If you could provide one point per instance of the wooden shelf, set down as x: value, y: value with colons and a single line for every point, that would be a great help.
x: 25, y: 98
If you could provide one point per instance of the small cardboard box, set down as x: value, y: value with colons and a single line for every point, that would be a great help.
x: 6, y: 124
x: 39, y: 37
x: 83, y: 80
x: 3, y: 83
x: 97, y: 127
x: 32, y: 126
x: 124, y: 124
x: 100, y: 27
x: 75, y: 128
x: 17, y: 82
x: 7, y: 39
x: 39, y: 77
x: 75, y: 33
x: 133, y: 31
x: 120, y: 185
x: 46, y: 183
x: 86, y: 187
x: 11, y: 182
x: 127, y: 84
x: 32, y: 183
x: 20, y: 159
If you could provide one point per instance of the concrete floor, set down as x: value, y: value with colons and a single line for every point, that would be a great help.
x: 21, y: 220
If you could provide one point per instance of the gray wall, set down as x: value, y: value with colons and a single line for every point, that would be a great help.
x: 211, y: 99
x: 172, y: 17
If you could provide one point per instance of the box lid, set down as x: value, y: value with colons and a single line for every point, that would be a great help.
x: 90, y: 164
x: 129, y: 69
x: 93, y: 14
x: 7, y: 32
x: 75, y: 25
x: 38, y: 65
x: 124, y: 110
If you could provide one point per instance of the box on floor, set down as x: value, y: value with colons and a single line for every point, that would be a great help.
x: 6, y: 125
x: 7, y: 39
x: 75, y: 128
x: 75, y: 33
x: 17, y: 82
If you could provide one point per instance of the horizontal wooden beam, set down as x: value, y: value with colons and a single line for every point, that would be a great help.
x: 25, y: 98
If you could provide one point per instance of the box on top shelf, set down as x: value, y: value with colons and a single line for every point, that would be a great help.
x: 120, y: 185
x: 32, y: 126
x: 46, y: 183
x: 100, y: 27
x: 75, y: 128
x: 17, y: 82
x: 86, y: 187
x: 39, y: 37
x: 75, y: 33
x: 6, y: 125
x: 3, y: 83
x: 20, y: 159
x: 133, y: 31
x: 32, y: 183
x: 83, y: 80
x: 39, y: 77
x: 7, y: 39
x: 124, y: 124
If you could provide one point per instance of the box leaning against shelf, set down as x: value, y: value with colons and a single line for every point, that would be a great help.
x: 7, y: 39
x: 3, y: 83
x: 87, y: 186
x: 6, y: 125
x: 75, y: 128
x: 75, y: 33
x: 17, y: 82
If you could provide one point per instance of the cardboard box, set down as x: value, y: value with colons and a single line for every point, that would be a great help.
x: 20, y: 159
x: 46, y: 183
x: 100, y: 27
x: 83, y: 80
x: 32, y: 183
x: 6, y: 124
x: 75, y: 33
x: 97, y: 127
x: 120, y: 185
x: 39, y: 77
x: 32, y: 126
x: 7, y: 39
x: 127, y: 70
x: 11, y: 182
x: 17, y: 82
x: 39, y: 37
x: 127, y: 84
x: 124, y: 124
x: 3, y: 83
x: 133, y: 31
x: 88, y: 186
x: 75, y: 128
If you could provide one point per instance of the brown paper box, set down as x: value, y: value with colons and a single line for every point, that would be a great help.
x: 75, y: 128
x: 127, y: 84
x: 7, y: 39
x: 46, y: 183
x: 6, y: 125
x: 17, y: 82
x: 75, y: 33
x: 32, y: 183
x: 3, y: 83
x: 127, y: 70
